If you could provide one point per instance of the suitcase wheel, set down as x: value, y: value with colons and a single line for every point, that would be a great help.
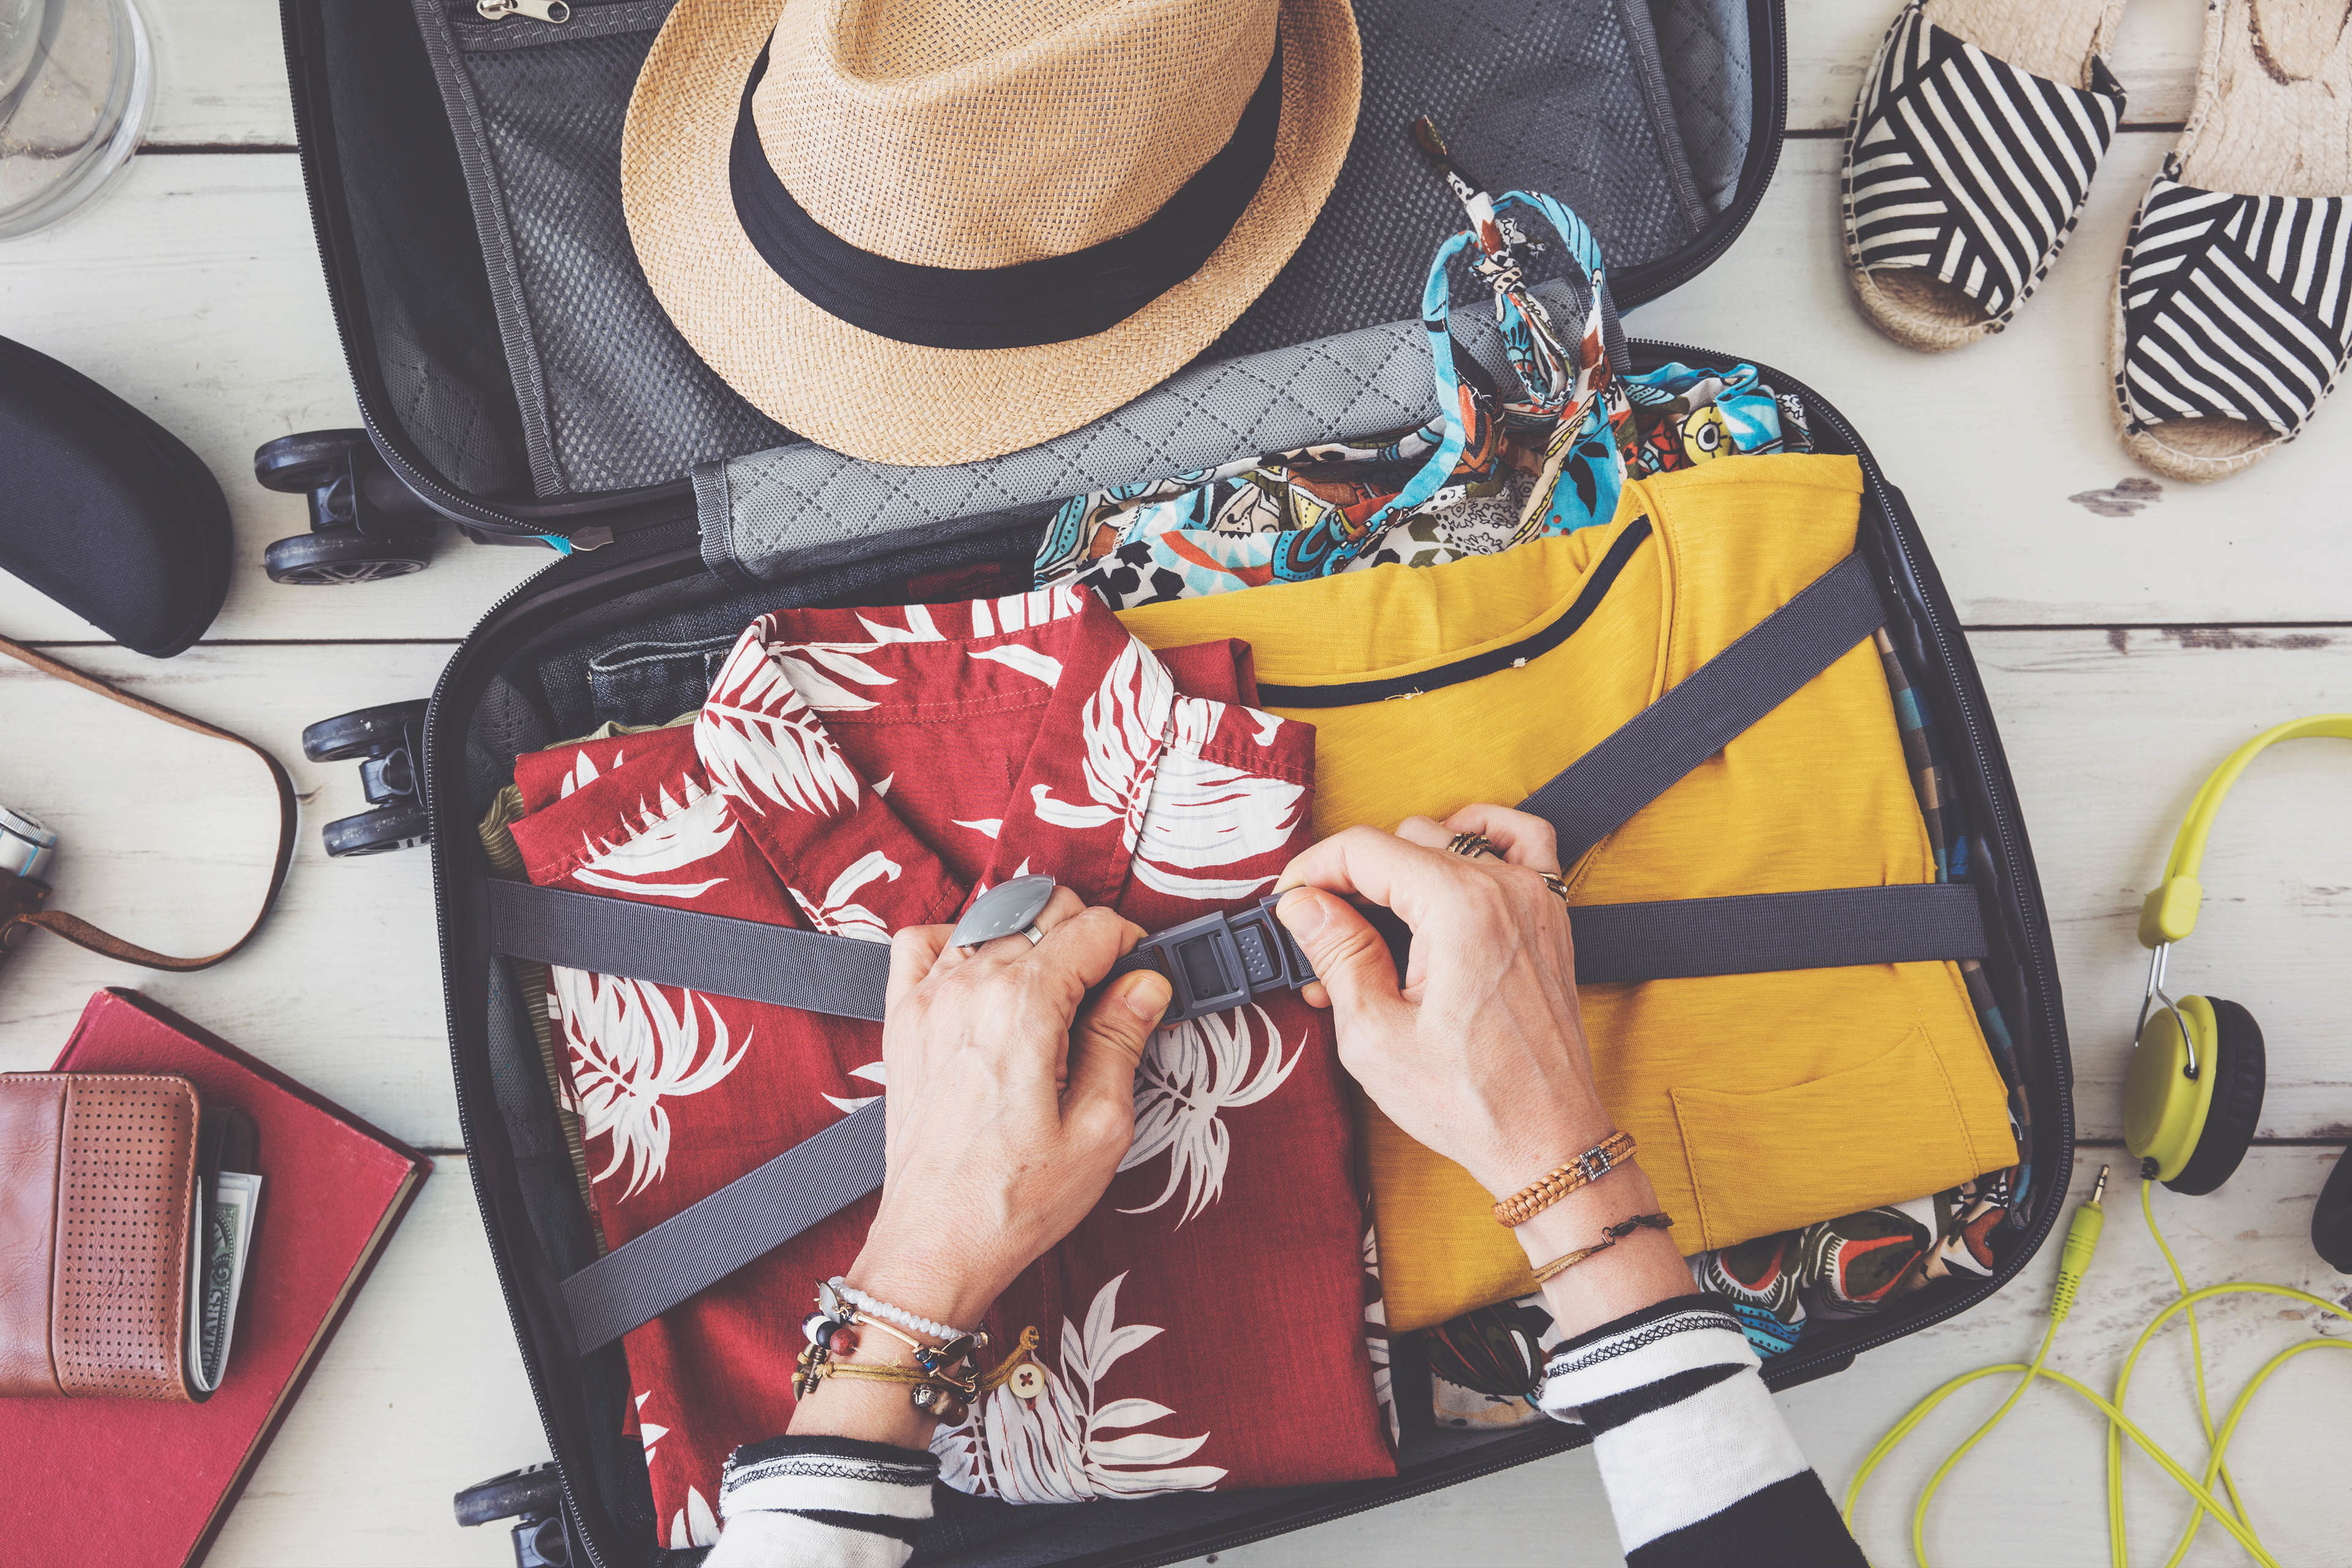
x: 363, y: 732
x: 531, y: 1492
x: 534, y: 1497
x: 332, y: 560
x: 307, y: 459
x: 373, y: 832
x: 364, y: 524
x: 389, y: 744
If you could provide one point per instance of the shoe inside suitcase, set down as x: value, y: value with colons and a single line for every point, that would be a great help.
x: 507, y: 354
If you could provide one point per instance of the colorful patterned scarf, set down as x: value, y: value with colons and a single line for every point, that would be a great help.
x: 1490, y: 471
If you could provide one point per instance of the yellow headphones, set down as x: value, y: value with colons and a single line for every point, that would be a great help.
x: 2193, y: 1096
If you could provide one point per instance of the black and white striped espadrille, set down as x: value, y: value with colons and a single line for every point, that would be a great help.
x: 2233, y: 307
x: 1963, y: 169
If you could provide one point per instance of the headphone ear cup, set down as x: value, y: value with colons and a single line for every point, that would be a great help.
x: 2238, y: 1069
x: 2331, y: 1221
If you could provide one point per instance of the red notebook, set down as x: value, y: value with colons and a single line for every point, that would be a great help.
x: 149, y: 1483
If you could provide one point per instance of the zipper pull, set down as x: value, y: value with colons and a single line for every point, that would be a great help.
x: 537, y: 10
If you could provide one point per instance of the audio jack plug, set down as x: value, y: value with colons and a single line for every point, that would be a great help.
x: 2082, y: 1240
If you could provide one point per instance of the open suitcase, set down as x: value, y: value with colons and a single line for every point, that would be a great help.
x: 517, y: 378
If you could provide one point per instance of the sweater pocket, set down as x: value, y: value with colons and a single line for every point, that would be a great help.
x: 1755, y: 1157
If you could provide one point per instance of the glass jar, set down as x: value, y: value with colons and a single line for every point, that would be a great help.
x: 75, y: 77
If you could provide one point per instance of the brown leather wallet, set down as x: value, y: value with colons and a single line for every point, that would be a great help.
x: 101, y: 1187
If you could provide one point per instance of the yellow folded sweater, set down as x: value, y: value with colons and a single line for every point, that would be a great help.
x: 1760, y: 1102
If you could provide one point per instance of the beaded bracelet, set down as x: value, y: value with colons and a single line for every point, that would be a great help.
x: 944, y: 1379
x: 881, y: 1309
x: 1609, y: 1237
x: 1549, y: 1188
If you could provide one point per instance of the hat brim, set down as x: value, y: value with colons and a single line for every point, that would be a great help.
x: 889, y: 402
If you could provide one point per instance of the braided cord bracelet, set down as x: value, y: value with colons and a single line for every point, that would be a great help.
x: 1557, y: 1184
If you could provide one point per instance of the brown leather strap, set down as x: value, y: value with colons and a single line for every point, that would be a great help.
x: 81, y: 932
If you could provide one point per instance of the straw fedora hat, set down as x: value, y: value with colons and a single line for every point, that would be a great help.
x: 933, y: 231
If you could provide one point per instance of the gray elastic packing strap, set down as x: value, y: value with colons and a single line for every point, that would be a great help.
x: 1677, y: 939
x: 806, y: 969
x: 1639, y: 762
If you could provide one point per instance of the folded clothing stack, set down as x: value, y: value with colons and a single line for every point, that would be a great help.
x: 857, y: 771
x: 1482, y: 680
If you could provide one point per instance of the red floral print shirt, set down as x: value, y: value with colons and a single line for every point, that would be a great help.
x: 858, y: 770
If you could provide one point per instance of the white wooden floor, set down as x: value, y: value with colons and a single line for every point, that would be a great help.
x: 2125, y: 654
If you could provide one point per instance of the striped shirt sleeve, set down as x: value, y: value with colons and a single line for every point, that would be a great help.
x: 822, y: 1502
x: 1699, y: 1464
x: 1700, y: 1467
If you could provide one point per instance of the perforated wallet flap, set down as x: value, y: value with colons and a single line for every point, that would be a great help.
x: 99, y: 1185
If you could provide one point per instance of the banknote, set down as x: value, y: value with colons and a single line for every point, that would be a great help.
x: 228, y: 1235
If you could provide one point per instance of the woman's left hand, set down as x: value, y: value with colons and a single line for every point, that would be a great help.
x: 1009, y: 1110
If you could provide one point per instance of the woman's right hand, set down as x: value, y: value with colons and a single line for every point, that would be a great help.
x: 1479, y: 1051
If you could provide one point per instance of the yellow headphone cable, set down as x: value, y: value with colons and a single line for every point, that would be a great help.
x: 2082, y: 1240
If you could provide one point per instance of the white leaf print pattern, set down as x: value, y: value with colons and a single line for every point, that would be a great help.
x: 1026, y: 612
x: 629, y: 1051
x: 837, y: 915
x: 1191, y: 1072
x: 1057, y: 1448
x: 1376, y: 1336
x: 872, y: 1072
x: 1124, y: 720
x: 673, y: 838
x: 810, y: 667
x: 1027, y: 660
x: 695, y: 1524
x: 920, y: 627
x: 761, y: 740
x: 647, y: 1433
x: 584, y: 771
x: 1203, y: 815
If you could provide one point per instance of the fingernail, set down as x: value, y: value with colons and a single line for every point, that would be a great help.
x: 1146, y: 994
x: 1304, y: 913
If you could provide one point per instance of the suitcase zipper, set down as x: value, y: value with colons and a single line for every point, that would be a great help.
x: 555, y: 11
x: 478, y: 26
x: 1766, y: 23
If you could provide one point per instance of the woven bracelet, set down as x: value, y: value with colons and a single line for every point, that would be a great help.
x: 1582, y: 1172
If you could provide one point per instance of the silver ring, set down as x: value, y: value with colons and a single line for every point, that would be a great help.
x: 1031, y: 932
x: 1009, y: 909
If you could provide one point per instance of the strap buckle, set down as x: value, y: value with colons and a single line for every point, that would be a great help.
x: 1221, y: 961
x: 1595, y: 1163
